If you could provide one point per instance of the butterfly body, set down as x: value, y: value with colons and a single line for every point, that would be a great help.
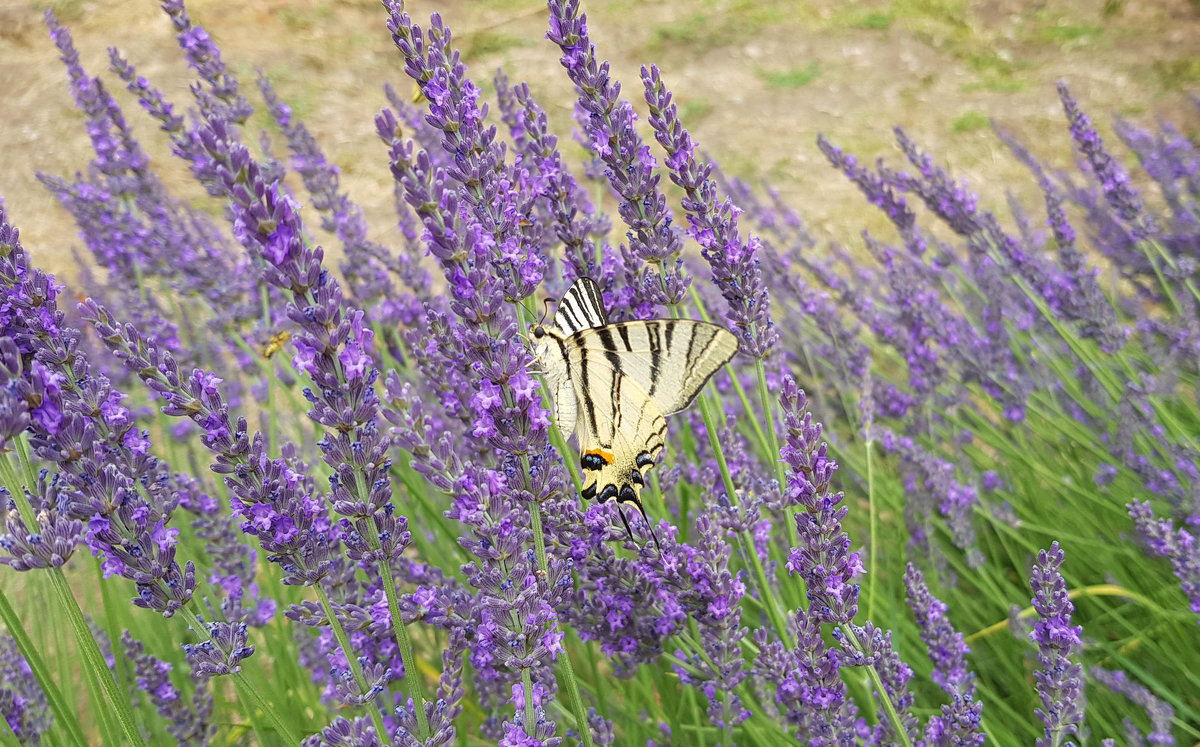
x: 614, y: 383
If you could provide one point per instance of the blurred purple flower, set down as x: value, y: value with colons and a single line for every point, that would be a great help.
x: 960, y: 721
x: 1160, y: 713
x: 1177, y: 545
x: 24, y: 710
x: 1114, y: 180
x: 190, y: 723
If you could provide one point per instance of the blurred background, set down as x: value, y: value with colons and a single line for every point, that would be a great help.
x: 755, y: 81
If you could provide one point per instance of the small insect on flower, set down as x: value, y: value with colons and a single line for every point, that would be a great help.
x: 276, y: 343
x: 613, y: 383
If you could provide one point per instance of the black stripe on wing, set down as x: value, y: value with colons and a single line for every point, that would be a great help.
x: 581, y: 307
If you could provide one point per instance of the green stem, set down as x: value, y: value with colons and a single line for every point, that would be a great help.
x: 245, y: 689
x: 355, y: 668
x: 412, y: 678
x: 774, y: 611
x: 764, y: 398
x: 93, y: 659
x: 64, y: 714
x: 888, y: 706
x: 530, y: 718
x: 873, y: 536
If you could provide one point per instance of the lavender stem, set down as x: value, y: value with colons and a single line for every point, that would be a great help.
x: 94, y: 665
x: 64, y: 713
x: 242, y: 686
x: 343, y: 640
x: 888, y: 706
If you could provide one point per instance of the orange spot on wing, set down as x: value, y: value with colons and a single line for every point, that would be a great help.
x: 605, y: 455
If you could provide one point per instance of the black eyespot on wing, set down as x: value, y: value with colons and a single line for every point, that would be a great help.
x: 593, y: 462
x: 644, y: 460
x: 609, y: 492
x: 628, y: 495
x: 589, y: 492
x: 636, y: 477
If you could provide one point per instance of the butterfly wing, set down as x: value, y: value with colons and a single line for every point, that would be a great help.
x: 621, y: 432
x: 554, y: 362
x: 615, y: 382
x: 669, y: 359
x: 581, y: 307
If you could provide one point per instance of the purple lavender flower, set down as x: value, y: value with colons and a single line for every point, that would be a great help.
x: 960, y: 721
x: 612, y: 136
x: 447, y: 702
x: 715, y: 604
x: 53, y: 541
x: 576, y: 222
x: 713, y: 223
x: 190, y: 723
x: 809, y: 688
x: 1177, y: 545
x: 345, y: 733
x: 222, y: 652
x: 366, y: 265
x: 24, y: 711
x: 1114, y: 181
x: 873, y: 647
x: 487, y: 260
x: 78, y: 424
x: 823, y: 561
x: 276, y: 501
x: 1159, y: 711
x: 1059, y: 681
x: 220, y: 98
x: 14, y: 409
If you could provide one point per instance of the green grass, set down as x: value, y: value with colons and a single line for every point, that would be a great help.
x: 795, y: 77
x: 970, y: 122
x: 483, y: 43
x: 1068, y: 32
x: 695, y: 110
x: 715, y: 27
x: 1177, y: 74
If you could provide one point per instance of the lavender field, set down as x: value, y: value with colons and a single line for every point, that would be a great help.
x: 261, y: 493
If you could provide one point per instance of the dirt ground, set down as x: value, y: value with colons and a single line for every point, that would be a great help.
x: 756, y: 82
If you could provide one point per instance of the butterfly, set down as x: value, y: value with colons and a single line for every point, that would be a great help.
x: 613, y: 383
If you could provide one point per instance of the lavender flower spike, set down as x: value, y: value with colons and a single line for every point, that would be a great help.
x: 1160, y: 712
x: 1177, y: 545
x: 191, y: 724
x: 1059, y: 682
x: 960, y: 721
x: 1118, y: 190
x: 612, y: 137
x: 713, y: 223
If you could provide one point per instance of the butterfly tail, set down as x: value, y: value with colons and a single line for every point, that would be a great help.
x: 629, y: 495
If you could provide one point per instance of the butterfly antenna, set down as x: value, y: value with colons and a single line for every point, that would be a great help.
x: 546, y: 309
